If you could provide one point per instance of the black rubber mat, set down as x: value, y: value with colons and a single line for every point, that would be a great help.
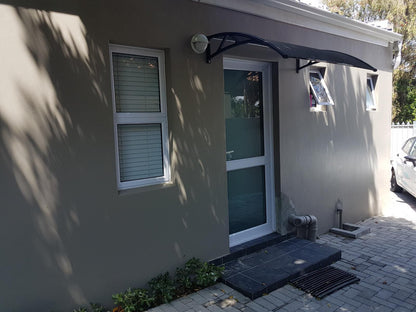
x: 324, y: 281
x: 272, y: 267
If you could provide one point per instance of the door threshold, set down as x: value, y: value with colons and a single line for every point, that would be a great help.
x: 252, y: 246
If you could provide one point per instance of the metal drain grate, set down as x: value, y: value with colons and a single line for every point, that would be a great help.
x: 325, y: 281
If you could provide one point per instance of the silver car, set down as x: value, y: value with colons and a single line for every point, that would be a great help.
x: 403, y: 168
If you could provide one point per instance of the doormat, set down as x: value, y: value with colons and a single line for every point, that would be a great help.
x: 325, y: 281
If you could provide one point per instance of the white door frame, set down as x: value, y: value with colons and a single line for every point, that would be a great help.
x: 266, y: 160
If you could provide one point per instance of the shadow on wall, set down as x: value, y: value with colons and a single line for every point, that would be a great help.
x: 33, y: 121
x: 352, y: 155
x: 334, y: 155
x: 193, y: 121
x: 49, y: 126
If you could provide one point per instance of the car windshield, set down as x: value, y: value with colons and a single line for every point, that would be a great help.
x: 408, y: 145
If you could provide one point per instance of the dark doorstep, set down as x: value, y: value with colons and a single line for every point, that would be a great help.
x: 252, y: 246
x: 264, y: 270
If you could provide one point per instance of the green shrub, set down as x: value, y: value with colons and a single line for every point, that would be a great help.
x: 184, y: 282
x: 134, y: 300
x: 95, y: 307
x: 196, y: 274
x: 208, y: 274
x: 185, y: 276
x: 163, y: 288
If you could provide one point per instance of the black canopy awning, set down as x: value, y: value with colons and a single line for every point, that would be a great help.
x: 231, y: 40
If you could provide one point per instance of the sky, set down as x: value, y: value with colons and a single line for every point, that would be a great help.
x: 315, y: 3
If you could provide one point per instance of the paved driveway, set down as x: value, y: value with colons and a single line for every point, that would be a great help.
x: 384, y: 260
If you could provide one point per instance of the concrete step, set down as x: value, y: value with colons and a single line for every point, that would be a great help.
x: 269, y: 268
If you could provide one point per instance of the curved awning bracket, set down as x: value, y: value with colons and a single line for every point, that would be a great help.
x: 230, y: 40
x: 298, y: 67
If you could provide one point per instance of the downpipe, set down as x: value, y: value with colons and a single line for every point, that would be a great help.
x: 338, y: 209
x: 306, y: 226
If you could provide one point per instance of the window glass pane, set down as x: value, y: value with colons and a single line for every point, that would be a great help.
x: 369, y: 95
x: 408, y: 145
x: 136, y: 83
x: 140, y: 151
x: 243, y: 104
x: 318, y: 87
x: 413, y: 151
x: 246, y: 198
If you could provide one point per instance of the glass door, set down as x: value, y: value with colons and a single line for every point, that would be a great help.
x: 248, y: 124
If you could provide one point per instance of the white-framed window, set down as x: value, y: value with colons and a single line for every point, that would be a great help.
x: 370, y: 98
x: 319, y: 94
x: 140, y: 118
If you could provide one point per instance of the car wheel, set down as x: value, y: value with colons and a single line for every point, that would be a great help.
x: 393, y: 183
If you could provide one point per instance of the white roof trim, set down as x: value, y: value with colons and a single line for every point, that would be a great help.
x: 299, y: 14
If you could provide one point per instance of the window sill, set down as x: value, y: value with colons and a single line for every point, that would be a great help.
x: 317, y: 110
x: 147, y: 188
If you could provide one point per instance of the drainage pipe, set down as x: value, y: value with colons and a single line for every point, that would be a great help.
x: 306, y: 226
x: 338, y: 208
x: 339, y: 212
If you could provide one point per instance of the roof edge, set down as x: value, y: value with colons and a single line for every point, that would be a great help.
x: 300, y: 14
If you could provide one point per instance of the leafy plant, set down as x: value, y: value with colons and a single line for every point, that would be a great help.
x: 95, y: 307
x: 163, y: 288
x: 194, y: 275
x: 197, y: 274
x: 134, y: 300
x: 208, y: 274
x: 184, y: 280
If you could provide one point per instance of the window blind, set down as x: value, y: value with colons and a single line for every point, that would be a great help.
x: 140, y: 151
x: 136, y: 83
x: 140, y: 121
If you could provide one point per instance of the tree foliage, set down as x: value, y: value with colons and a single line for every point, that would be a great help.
x: 402, y: 15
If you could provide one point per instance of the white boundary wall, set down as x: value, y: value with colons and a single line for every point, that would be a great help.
x: 399, y: 134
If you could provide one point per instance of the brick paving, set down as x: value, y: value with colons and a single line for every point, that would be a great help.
x: 384, y: 260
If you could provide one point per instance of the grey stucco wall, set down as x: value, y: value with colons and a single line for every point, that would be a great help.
x: 67, y: 235
x: 340, y: 154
